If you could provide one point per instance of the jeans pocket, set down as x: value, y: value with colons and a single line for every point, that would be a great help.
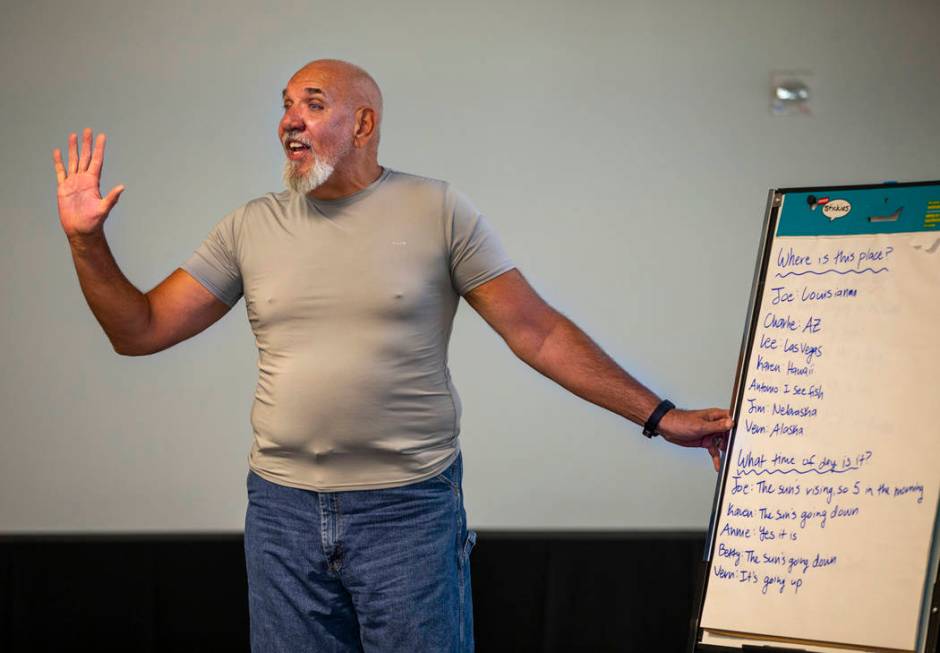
x: 443, y: 478
x: 449, y: 476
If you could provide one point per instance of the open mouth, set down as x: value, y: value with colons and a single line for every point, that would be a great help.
x: 296, y: 149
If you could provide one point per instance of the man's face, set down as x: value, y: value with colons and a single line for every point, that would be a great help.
x: 316, y: 129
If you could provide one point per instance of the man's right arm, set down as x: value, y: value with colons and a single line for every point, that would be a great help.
x: 136, y: 323
x: 139, y: 324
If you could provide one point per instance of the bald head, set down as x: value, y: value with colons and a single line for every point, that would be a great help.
x: 348, y: 83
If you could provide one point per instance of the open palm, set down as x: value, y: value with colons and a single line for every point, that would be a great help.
x: 82, y: 210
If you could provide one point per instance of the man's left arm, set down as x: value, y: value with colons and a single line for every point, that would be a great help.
x: 554, y: 346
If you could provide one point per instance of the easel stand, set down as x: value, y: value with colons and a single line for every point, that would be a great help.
x: 825, y: 530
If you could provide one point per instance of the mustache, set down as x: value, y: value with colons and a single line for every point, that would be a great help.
x: 295, y: 136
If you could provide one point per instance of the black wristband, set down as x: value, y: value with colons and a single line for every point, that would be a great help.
x: 649, y: 429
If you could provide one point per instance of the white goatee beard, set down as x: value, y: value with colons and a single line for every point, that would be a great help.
x: 320, y: 171
x: 298, y: 182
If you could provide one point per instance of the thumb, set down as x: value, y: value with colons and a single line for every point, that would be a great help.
x: 111, y: 198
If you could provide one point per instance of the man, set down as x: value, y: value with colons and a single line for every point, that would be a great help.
x: 355, y: 535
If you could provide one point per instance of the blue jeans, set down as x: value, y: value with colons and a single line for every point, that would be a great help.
x: 368, y: 570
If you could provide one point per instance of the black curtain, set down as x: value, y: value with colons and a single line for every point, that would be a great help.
x: 538, y: 592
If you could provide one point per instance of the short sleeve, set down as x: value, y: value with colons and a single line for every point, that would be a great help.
x: 476, y: 253
x: 215, y: 264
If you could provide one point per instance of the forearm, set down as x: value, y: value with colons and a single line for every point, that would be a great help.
x: 120, y: 308
x: 570, y: 358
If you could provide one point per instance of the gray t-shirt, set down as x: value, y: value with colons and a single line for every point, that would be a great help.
x: 352, y: 302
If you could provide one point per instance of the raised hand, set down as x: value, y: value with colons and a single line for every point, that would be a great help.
x: 82, y: 210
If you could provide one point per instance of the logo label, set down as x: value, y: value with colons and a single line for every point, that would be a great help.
x: 835, y: 209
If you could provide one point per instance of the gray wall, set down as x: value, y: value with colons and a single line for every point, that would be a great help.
x: 623, y: 150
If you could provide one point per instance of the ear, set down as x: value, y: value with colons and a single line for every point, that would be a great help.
x: 365, y: 126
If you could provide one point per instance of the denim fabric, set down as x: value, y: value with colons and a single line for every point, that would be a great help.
x: 370, y: 570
